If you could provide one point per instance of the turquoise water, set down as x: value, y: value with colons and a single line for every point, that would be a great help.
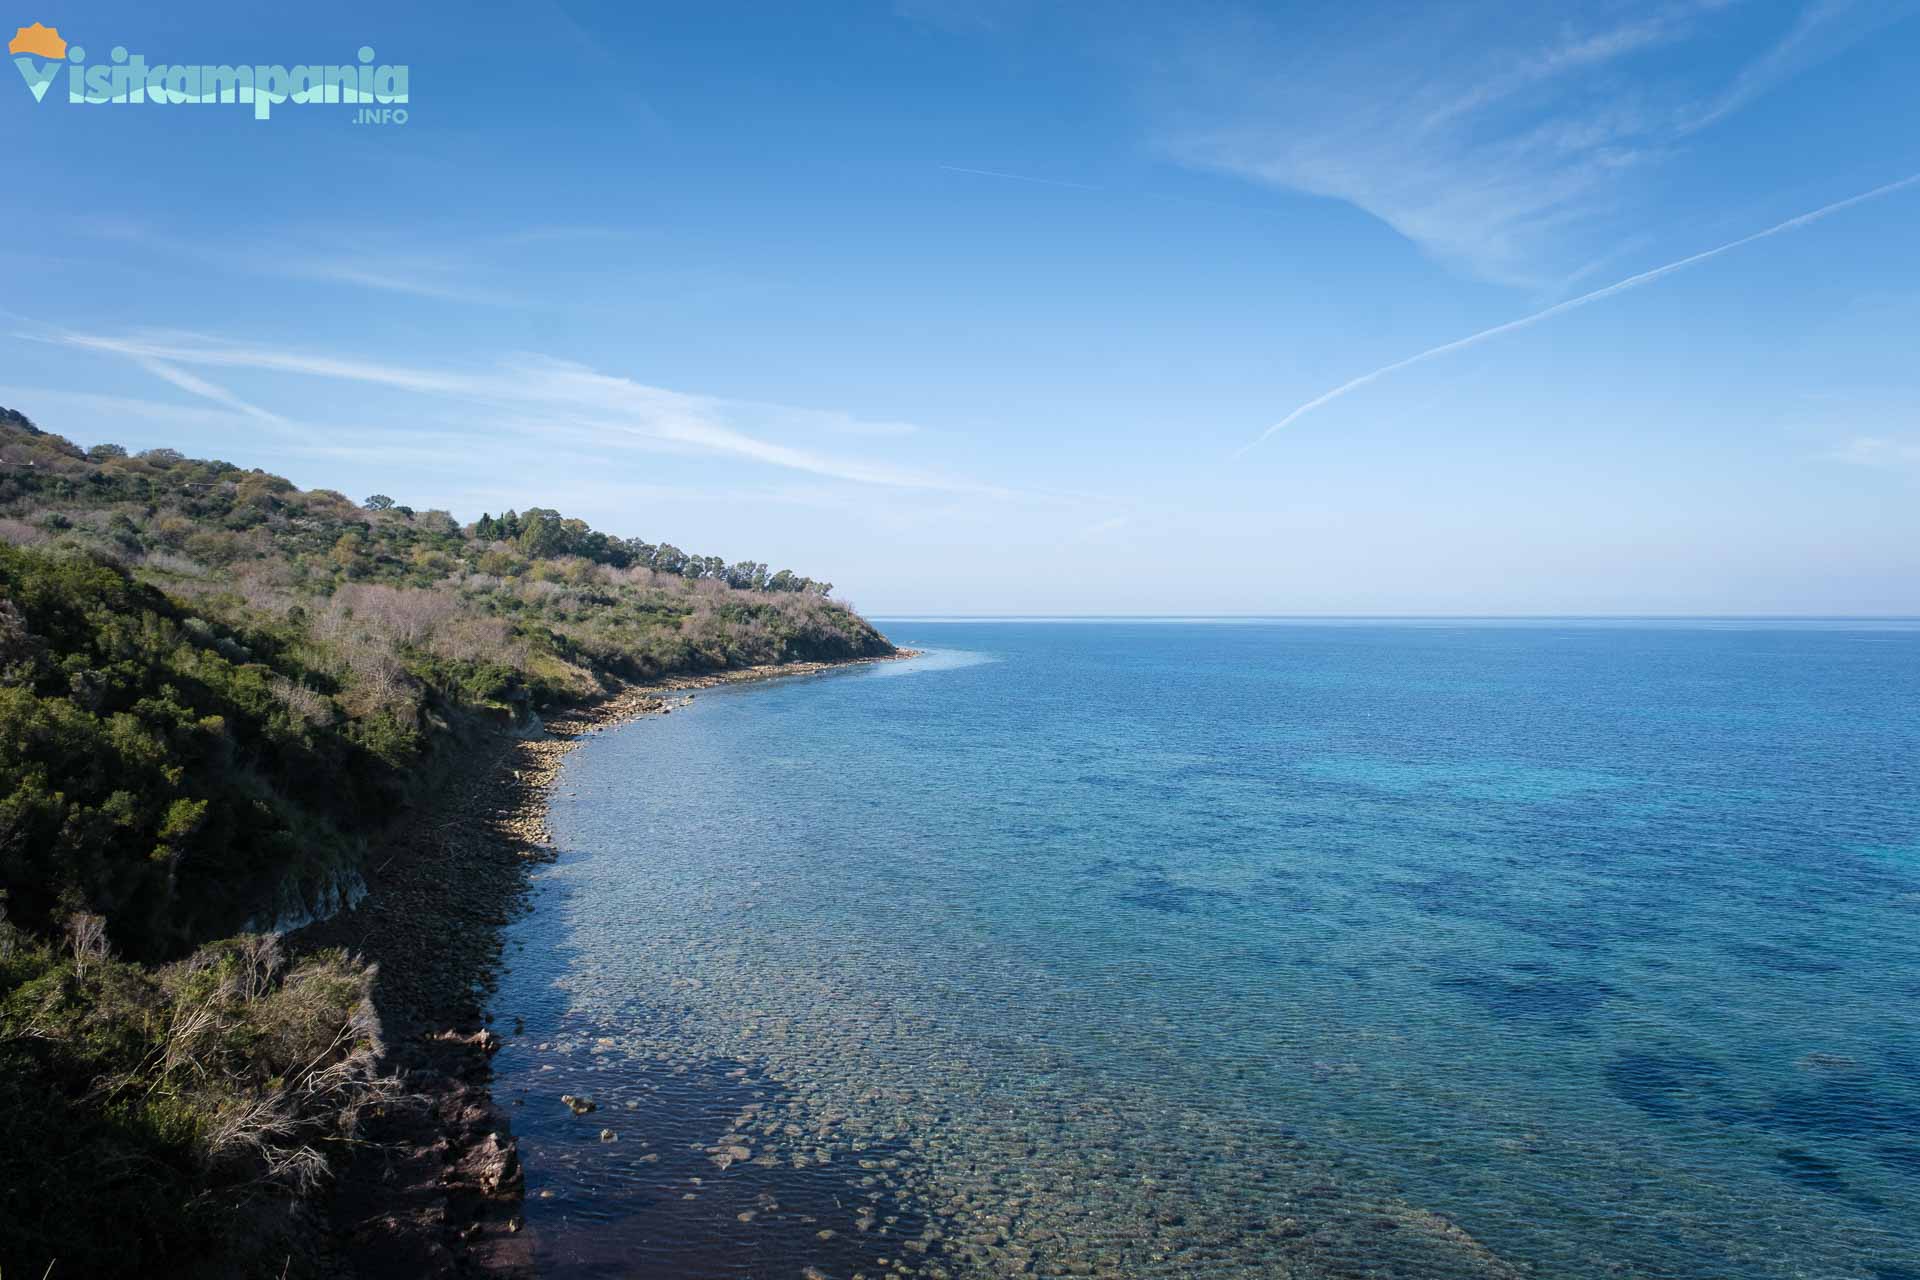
x: 1243, y: 949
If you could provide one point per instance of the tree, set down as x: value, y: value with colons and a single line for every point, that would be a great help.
x: 347, y: 552
x: 542, y: 534
x: 15, y: 418
x: 606, y: 549
x: 102, y: 452
x: 747, y: 576
x: 378, y: 502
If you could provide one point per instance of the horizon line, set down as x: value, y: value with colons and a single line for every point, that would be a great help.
x: 915, y: 616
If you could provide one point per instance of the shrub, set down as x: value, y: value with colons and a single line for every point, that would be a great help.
x: 162, y: 1101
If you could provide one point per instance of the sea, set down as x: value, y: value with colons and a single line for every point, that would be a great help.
x: 1241, y: 948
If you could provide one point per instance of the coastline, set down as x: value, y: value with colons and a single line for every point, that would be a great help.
x: 436, y: 1189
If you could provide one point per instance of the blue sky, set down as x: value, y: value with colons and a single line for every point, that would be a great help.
x: 977, y: 306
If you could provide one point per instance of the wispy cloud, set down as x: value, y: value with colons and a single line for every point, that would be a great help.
x: 1884, y: 452
x: 542, y: 396
x: 1100, y: 529
x: 439, y: 279
x: 1822, y: 29
x: 95, y: 405
x: 209, y: 390
x: 1502, y: 140
x: 464, y: 269
x: 1621, y: 286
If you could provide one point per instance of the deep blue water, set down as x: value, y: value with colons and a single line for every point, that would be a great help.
x: 1244, y: 949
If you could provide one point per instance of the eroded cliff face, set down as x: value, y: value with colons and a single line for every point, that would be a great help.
x: 308, y: 897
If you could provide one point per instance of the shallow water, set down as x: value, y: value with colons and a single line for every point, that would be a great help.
x: 1243, y: 949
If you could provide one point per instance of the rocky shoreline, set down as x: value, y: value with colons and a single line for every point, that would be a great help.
x: 436, y: 1189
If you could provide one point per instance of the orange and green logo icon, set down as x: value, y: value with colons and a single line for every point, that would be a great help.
x: 42, y: 42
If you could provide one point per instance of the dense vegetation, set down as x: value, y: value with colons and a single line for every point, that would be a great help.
x: 163, y: 1121
x: 212, y: 683
x: 160, y: 769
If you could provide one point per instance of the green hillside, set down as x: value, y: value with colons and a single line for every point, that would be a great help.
x: 215, y: 689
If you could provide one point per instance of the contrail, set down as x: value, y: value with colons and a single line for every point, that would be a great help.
x: 1631, y: 282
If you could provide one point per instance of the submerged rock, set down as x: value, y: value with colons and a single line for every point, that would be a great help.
x: 483, y: 1040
